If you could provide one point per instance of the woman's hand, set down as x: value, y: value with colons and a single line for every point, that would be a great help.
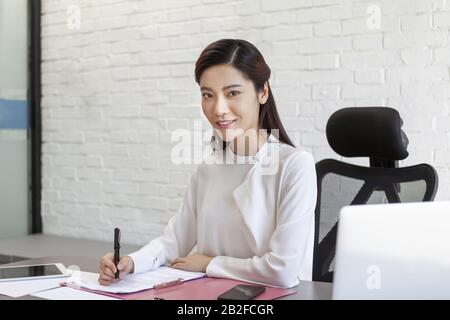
x: 194, y: 262
x: 108, y: 268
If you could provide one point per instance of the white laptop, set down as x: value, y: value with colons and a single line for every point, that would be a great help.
x: 393, y: 251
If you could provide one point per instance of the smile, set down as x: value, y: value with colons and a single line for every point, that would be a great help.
x: 225, y: 124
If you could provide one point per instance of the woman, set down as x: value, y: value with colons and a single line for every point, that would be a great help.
x: 247, y: 221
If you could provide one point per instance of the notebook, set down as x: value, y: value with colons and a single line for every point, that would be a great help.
x: 134, y: 282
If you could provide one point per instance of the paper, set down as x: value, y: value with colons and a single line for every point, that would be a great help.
x: 65, y: 293
x: 132, y: 282
x: 20, y: 288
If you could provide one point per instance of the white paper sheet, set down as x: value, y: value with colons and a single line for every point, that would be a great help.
x: 65, y: 293
x: 20, y: 288
x: 132, y: 282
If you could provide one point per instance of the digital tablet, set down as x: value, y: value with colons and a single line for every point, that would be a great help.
x: 37, y: 271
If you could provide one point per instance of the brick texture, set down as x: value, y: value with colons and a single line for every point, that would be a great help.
x: 115, y: 89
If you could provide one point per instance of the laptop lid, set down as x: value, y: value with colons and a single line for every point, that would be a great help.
x: 393, y: 251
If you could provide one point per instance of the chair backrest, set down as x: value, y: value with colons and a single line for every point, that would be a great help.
x: 340, y: 184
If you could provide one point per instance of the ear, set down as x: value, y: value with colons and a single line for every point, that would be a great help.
x: 263, y: 94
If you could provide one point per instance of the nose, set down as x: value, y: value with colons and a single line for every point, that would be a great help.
x: 220, y: 107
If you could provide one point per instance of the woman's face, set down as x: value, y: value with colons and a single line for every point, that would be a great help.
x: 230, y: 101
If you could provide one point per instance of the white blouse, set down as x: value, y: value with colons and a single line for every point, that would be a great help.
x: 256, y: 219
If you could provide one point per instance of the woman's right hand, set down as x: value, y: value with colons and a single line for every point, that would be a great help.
x: 108, y: 268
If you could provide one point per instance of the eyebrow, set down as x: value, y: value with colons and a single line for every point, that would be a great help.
x: 224, y: 88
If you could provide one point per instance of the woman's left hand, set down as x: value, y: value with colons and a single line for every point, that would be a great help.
x: 194, y: 262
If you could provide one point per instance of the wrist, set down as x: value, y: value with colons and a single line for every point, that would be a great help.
x: 208, y: 261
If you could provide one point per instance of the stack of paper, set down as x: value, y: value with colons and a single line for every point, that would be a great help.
x: 20, y: 288
x: 65, y: 293
x: 132, y: 282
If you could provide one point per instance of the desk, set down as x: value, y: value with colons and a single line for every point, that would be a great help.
x: 306, y: 290
x: 44, y: 245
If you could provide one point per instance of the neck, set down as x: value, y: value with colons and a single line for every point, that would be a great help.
x: 248, y: 143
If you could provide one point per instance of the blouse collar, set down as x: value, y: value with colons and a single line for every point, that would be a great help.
x: 230, y: 156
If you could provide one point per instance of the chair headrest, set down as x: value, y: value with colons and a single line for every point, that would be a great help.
x: 373, y: 132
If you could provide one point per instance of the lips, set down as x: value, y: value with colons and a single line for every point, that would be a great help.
x: 224, y: 124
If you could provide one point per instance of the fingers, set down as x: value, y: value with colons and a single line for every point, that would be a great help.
x: 107, y: 269
x: 107, y: 262
x: 108, y: 272
x: 104, y: 282
x: 107, y: 275
x: 105, y: 279
x: 178, y: 260
x: 179, y: 265
x: 123, y: 264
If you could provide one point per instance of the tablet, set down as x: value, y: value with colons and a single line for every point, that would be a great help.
x: 37, y: 271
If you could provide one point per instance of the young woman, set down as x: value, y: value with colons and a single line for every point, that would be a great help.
x: 251, y: 219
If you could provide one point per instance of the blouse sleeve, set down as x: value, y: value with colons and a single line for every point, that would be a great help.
x: 291, y: 244
x: 178, y: 239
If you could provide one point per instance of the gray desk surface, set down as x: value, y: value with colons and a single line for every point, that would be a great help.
x: 44, y: 245
x: 306, y: 290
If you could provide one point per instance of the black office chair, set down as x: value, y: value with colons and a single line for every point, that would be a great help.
x: 373, y: 132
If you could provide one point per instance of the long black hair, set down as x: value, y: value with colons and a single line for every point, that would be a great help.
x: 245, y: 57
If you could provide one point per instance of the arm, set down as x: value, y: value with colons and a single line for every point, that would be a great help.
x: 291, y: 244
x: 178, y: 239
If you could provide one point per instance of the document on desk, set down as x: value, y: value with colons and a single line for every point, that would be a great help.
x: 20, y: 288
x: 65, y: 293
x: 132, y: 282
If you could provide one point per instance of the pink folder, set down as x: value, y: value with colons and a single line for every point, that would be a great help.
x: 200, y: 289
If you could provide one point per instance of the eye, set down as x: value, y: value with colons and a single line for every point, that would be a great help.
x: 203, y: 95
x: 237, y: 93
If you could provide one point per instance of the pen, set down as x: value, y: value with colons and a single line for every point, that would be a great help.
x: 168, y: 284
x: 117, y: 250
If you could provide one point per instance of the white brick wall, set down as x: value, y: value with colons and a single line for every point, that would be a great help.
x: 115, y: 89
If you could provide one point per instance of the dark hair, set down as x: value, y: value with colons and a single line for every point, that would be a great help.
x: 245, y: 57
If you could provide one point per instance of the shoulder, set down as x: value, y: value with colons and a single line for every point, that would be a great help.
x: 294, y: 158
x: 297, y: 168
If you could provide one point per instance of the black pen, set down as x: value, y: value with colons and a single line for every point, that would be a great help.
x: 117, y: 250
